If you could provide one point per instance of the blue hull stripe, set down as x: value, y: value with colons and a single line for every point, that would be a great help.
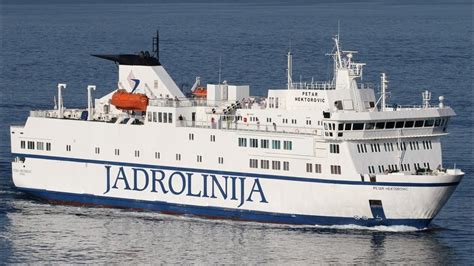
x: 229, y: 173
x: 215, y: 212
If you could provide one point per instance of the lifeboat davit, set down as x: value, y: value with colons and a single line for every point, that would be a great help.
x: 129, y: 101
x: 200, y: 92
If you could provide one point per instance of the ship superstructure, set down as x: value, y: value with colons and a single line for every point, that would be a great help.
x: 311, y: 153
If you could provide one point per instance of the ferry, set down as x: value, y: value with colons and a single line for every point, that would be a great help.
x: 310, y: 153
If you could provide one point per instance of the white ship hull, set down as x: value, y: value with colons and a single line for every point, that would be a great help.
x: 275, y: 199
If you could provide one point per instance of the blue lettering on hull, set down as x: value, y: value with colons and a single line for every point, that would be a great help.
x: 179, y: 183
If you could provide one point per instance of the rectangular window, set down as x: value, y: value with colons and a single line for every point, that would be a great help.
x: 31, y: 145
x: 242, y: 142
x: 149, y: 114
x: 40, y: 145
x: 157, y: 155
x: 317, y: 168
x: 117, y: 152
x: 165, y: 117
x: 276, y: 144
x: 191, y: 136
x: 286, y: 166
x: 213, y: 138
x: 287, y: 145
x: 399, y: 124
x: 199, y: 159
x: 348, y: 126
x: 178, y: 157
x: 170, y: 117
x: 22, y: 144
x: 390, y: 125
x: 264, y: 143
x: 334, y: 148
x: 276, y: 165
x: 220, y: 160
x: 137, y: 153
x: 97, y: 150
x: 335, y: 169
x: 358, y: 126
x: 68, y: 147
x: 264, y: 164
x: 48, y: 146
x: 160, y: 117
x: 369, y: 126
x: 154, y: 117
x: 309, y: 167
x: 380, y: 125
x: 254, y: 143
x: 253, y: 163
x: 409, y: 124
x: 419, y: 123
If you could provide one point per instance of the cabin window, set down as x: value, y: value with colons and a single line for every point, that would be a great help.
x: 358, y: 126
x: 419, y: 123
x: 254, y: 143
x: 253, y: 163
x: 137, y: 153
x: 117, y: 152
x: 437, y: 122
x: 390, y: 125
x: 340, y: 126
x: 97, y: 150
x: 48, y: 146
x: 334, y: 148
x: 31, y: 145
x: 242, y: 142
x: 264, y: 143
x: 191, y: 136
x: 170, y: 117
x: 348, y: 126
x: 68, y: 147
x: 309, y: 167
x: 199, y: 159
x: 264, y: 164
x: 429, y: 123
x: 22, y: 144
x: 160, y: 117
x: 276, y: 144
x: 399, y: 124
x: 369, y: 126
x: 157, y: 155
x: 293, y: 121
x: 287, y: 145
x: 220, y: 160
x: 40, y: 145
x: 149, y: 116
x: 178, y: 157
x: 317, y: 168
x: 165, y: 117
x: 276, y: 165
x: 213, y: 138
x: 335, y: 169
x: 286, y: 166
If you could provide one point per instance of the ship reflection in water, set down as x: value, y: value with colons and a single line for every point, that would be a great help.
x: 37, y: 232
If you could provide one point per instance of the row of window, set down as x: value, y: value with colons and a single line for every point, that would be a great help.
x: 441, y: 122
x: 395, y: 168
x: 265, y: 143
x: 212, y: 138
x: 402, y: 146
x: 317, y: 168
x: 160, y: 117
x: 35, y: 145
x: 265, y: 164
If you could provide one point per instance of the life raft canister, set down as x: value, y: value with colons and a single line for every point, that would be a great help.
x: 129, y: 101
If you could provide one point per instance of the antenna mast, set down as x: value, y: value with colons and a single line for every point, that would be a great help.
x: 156, y: 45
x: 290, y: 70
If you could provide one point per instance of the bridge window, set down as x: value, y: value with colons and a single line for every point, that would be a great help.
x: 409, y: 124
x: 390, y: 125
x: 429, y: 123
x: 358, y: 126
x: 348, y: 126
x: 437, y: 122
x: 380, y: 125
x: 369, y: 126
x: 419, y: 123
x: 399, y: 124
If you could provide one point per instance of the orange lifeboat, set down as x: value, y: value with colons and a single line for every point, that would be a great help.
x: 200, y: 92
x: 130, y: 101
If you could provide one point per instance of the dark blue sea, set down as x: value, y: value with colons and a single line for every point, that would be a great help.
x: 419, y: 44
